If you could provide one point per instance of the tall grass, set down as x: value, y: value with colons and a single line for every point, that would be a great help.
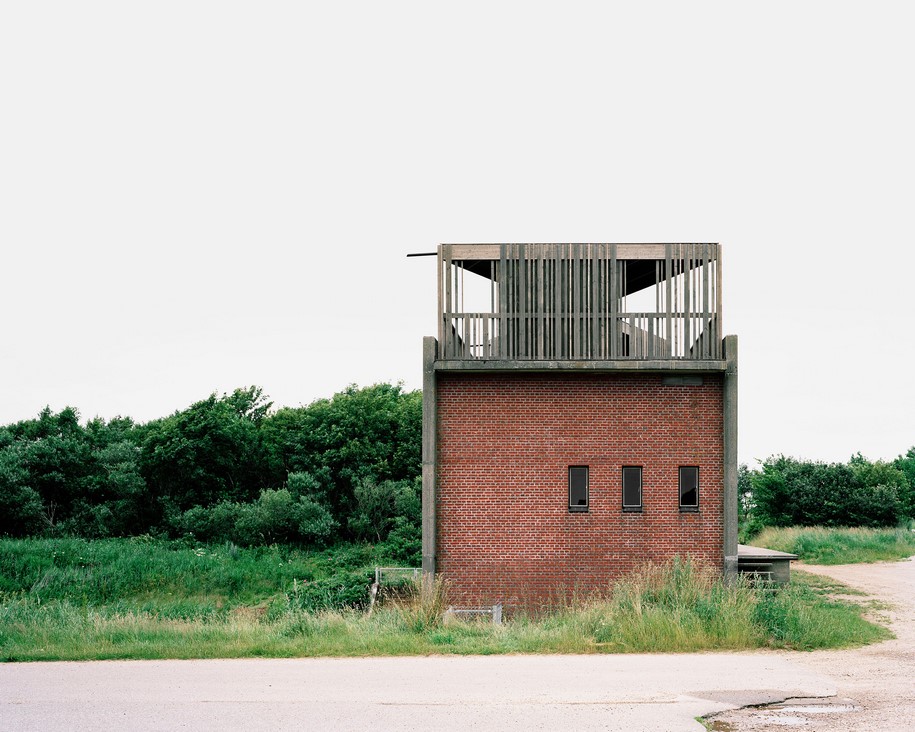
x: 840, y: 546
x: 168, y: 578
x: 183, y: 602
x: 804, y: 616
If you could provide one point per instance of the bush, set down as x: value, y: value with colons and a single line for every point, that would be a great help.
x: 404, y: 543
x: 21, y: 508
x: 343, y: 590
x: 378, y: 504
x: 212, y: 524
x: 789, y: 492
x: 905, y: 464
x: 275, y: 517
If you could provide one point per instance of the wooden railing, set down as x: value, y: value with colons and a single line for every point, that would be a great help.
x: 580, y: 336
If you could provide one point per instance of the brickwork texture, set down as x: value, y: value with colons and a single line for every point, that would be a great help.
x: 505, y: 443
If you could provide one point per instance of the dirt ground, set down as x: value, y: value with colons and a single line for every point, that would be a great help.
x: 876, y: 684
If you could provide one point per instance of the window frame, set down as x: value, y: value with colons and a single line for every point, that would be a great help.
x: 579, y: 508
x: 631, y: 508
x: 688, y: 507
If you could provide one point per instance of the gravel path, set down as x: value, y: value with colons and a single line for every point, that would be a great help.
x: 875, y: 684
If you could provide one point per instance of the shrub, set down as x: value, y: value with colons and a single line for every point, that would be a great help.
x: 21, y: 509
x: 404, y: 543
x: 906, y: 465
x: 791, y: 492
x: 275, y: 517
x: 377, y: 506
x: 342, y: 590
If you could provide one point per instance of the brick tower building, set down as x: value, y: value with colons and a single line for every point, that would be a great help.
x: 579, y: 417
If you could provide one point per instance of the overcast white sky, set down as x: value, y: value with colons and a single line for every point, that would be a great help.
x: 197, y: 196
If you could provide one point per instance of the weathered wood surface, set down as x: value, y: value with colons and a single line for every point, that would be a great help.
x: 569, y: 301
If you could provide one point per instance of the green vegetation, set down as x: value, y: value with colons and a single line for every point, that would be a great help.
x: 819, y: 545
x: 227, y: 468
x: 790, y: 492
x: 806, y: 616
x: 144, y: 598
x: 232, y: 529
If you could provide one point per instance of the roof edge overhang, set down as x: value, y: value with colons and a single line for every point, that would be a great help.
x: 628, y: 365
x: 648, y: 262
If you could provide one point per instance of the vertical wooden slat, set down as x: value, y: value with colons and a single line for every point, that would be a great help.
x: 576, y: 299
x: 602, y: 349
x: 541, y: 315
x: 705, y: 311
x: 473, y: 336
x: 503, y: 302
x: 522, y: 304
x: 718, y: 287
x: 560, y: 300
x: 490, y: 322
x: 614, y: 302
x: 567, y: 301
x: 678, y: 298
x: 687, y: 313
x: 669, y: 271
x: 515, y: 303
x: 547, y: 304
x: 594, y: 264
x: 441, y: 300
x: 658, y: 304
x: 448, y: 339
x: 624, y: 292
x: 713, y: 274
x: 555, y: 302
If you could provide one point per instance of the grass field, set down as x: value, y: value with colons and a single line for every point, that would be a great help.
x: 839, y: 546
x: 133, y: 598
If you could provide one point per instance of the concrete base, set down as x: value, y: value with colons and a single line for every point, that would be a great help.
x: 765, y: 563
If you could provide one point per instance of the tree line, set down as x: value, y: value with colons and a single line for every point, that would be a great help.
x: 227, y: 468
x: 232, y: 468
x: 786, y: 491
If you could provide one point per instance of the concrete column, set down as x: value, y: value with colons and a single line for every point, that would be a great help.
x: 730, y: 458
x: 430, y: 352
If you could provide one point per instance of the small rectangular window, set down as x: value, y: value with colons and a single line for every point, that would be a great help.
x: 632, y: 488
x: 578, y: 488
x: 689, y: 488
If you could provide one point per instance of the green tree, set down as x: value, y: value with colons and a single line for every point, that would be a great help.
x: 56, y: 455
x: 906, y: 464
x: 21, y: 509
x: 747, y: 522
x: 377, y: 505
x: 793, y: 492
x: 369, y: 433
x: 210, y: 452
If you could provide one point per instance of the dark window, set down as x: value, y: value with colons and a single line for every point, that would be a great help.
x: 632, y: 488
x: 578, y: 488
x: 689, y: 488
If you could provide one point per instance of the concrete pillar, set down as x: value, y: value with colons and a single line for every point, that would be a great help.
x: 430, y: 352
x: 730, y: 458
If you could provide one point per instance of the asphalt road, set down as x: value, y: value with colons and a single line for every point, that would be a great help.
x: 618, y: 692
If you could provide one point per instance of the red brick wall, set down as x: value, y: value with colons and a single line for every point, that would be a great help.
x: 505, y: 442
